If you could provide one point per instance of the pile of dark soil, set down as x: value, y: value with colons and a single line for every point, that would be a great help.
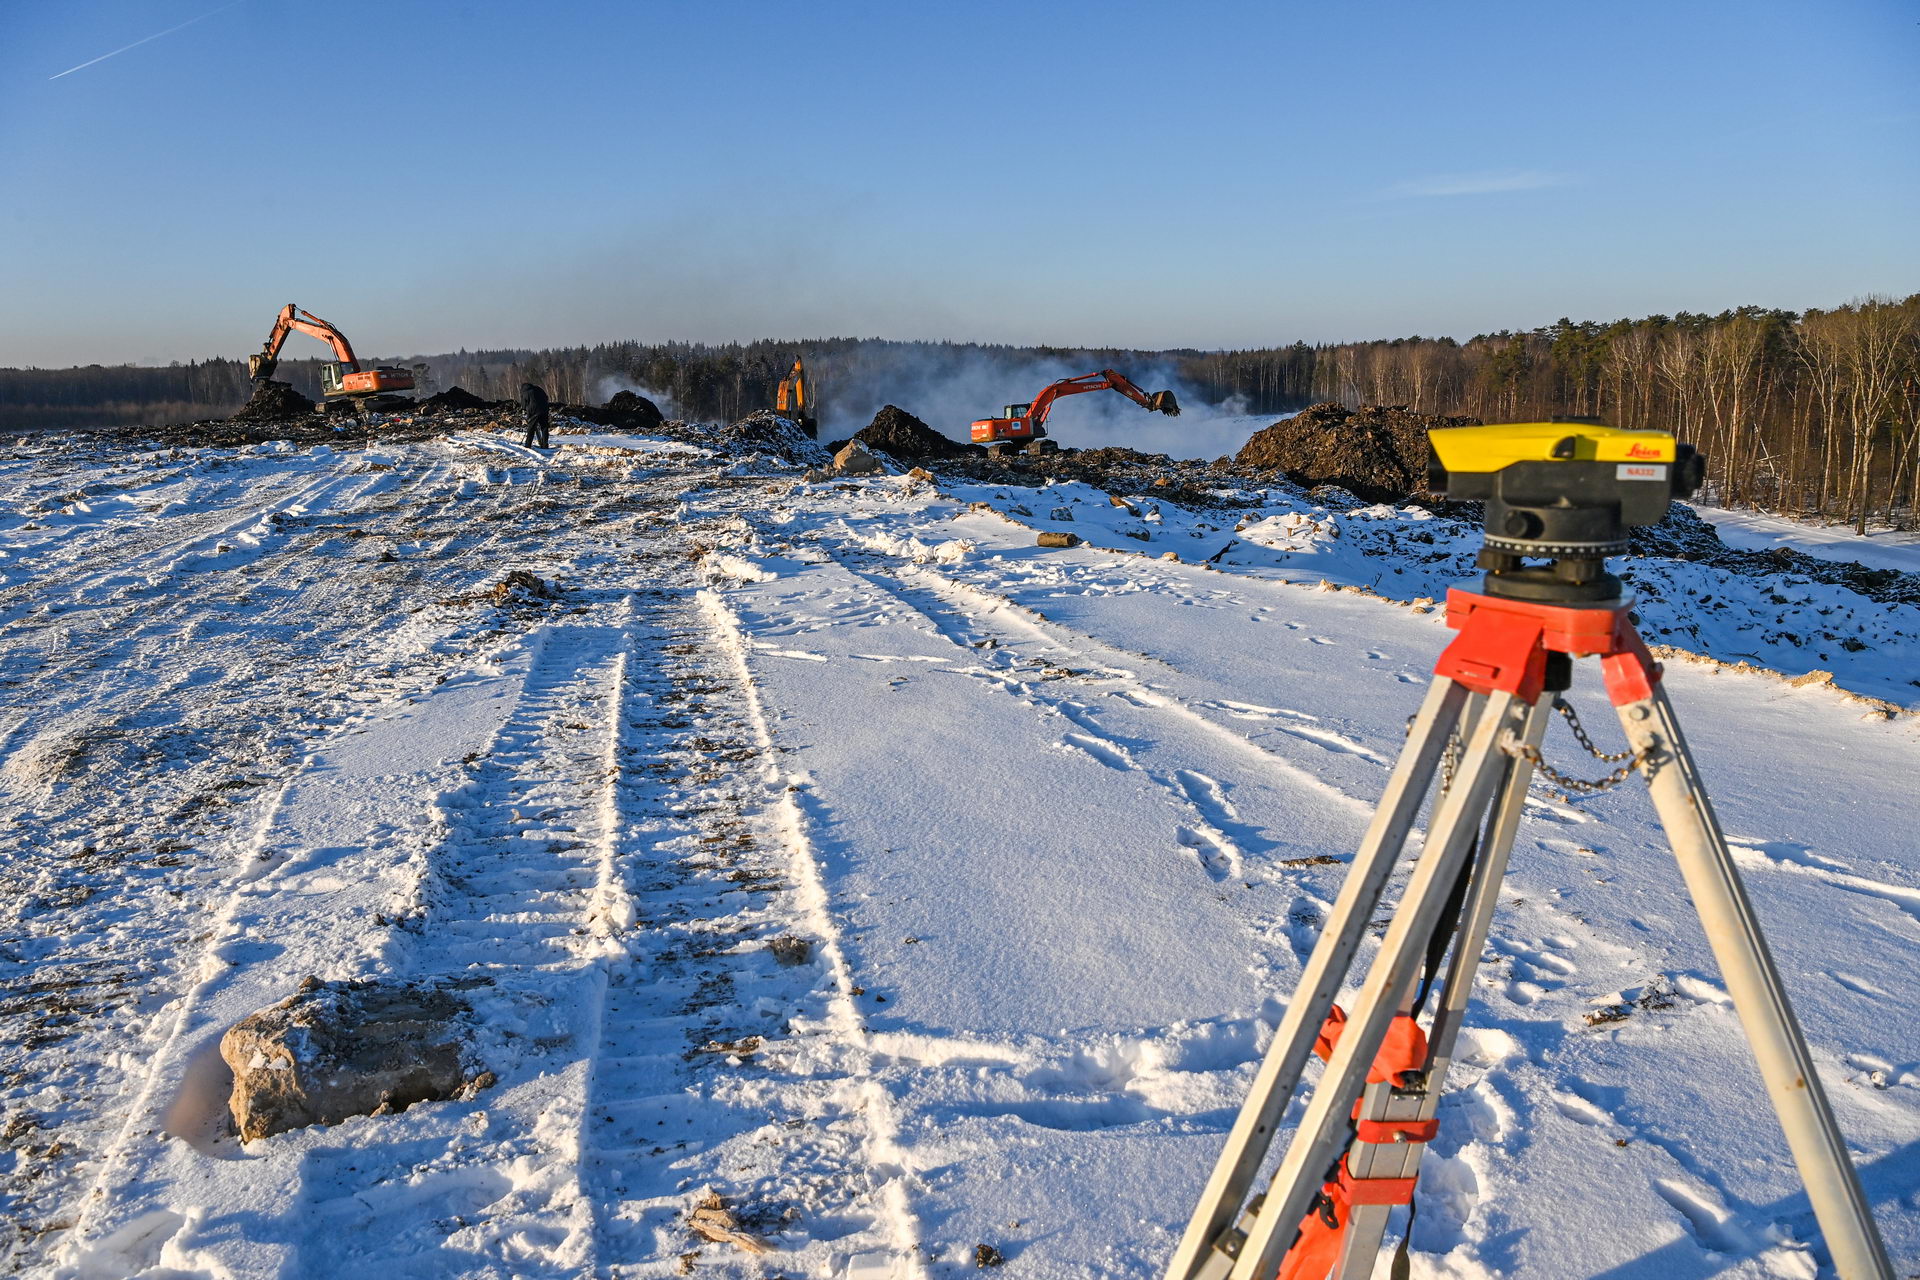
x: 453, y: 400
x: 1378, y: 453
x: 273, y: 401
x: 625, y: 412
x: 895, y: 431
x: 637, y: 413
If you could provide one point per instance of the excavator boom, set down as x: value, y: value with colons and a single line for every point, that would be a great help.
x: 1028, y: 422
x: 344, y: 377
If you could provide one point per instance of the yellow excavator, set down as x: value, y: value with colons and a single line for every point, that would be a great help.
x: 341, y: 380
x: 796, y: 400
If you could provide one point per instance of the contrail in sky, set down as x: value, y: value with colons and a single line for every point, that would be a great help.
x: 155, y: 36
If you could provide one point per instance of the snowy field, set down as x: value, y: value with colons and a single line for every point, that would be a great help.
x: 1758, y: 531
x: 1055, y: 827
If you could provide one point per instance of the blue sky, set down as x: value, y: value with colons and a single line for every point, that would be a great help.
x: 439, y: 175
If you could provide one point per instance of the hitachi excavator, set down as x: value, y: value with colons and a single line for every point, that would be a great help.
x: 1026, y: 424
x: 341, y: 381
x: 795, y: 399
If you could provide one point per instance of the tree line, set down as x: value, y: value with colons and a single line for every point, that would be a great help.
x: 1814, y: 413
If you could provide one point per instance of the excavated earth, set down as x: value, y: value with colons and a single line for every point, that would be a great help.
x: 1378, y: 453
x: 272, y: 401
x: 899, y: 434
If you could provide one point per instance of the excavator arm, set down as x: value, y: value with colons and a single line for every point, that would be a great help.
x: 292, y: 319
x: 1105, y: 380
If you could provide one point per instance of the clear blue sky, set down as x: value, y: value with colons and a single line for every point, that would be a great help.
x: 439, y: 175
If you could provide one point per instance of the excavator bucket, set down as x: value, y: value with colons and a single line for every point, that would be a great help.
x: 1163, y: 402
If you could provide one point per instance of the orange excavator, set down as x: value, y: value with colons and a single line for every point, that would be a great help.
x: 343, y: 378
x: 1027, y: 423
x: 795, y: 399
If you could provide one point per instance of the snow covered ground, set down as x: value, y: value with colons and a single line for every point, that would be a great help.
x: 1756, y: 530
x: 1049, y: 831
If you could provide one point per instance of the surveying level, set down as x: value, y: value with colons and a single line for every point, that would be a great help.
x: 1566, y: 492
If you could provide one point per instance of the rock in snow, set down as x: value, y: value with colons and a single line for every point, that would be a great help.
x: 854, y: 460
x: 339, y: 1049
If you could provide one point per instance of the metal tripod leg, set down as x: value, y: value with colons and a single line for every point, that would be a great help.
x: 1367, y: 1223
x: 1759, y: 997
x: 1253, y: 1131
x: 1318, y: 1137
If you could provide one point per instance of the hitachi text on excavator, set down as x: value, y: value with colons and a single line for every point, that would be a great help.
x: 1026, y: 424
x: 342, y: 380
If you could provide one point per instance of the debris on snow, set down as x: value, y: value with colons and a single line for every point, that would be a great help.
x: 519, y: 586
x: 1053, y: 538
x: 339, y: 1049
x: 791, y: 951
x: 712, y: 1220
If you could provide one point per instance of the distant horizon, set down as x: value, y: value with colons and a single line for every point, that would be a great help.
x: 319, y: 353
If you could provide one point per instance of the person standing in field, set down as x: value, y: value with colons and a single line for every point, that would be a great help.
x: 533, y: 412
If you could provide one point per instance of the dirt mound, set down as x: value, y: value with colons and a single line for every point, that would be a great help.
x: 453, y: 400
x: 765, y: 431
x: 1378, y: 453
x: 634, y: 412
x: 625, y: 412
x: 897, y: 432
x: 273, y: 400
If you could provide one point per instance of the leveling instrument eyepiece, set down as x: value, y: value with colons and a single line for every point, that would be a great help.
x: 1565, y: 491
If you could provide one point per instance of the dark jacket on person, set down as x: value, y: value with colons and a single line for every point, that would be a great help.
x: 534, y: 413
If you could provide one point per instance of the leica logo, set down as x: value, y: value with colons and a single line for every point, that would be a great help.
x: 1643, y: 451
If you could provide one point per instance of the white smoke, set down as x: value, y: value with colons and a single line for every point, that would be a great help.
x: 608, y: 387
x: 948, y: 389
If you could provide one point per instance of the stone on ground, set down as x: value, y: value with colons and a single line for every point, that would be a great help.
x: 340, y: 1049
x: 855, y: 460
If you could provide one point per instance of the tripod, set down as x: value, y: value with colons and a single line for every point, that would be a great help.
x: 1493, y: 691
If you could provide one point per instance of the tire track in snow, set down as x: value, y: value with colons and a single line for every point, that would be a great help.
x: 1213, y: 831
x: 899, y: 1252
x: 87, y: 1024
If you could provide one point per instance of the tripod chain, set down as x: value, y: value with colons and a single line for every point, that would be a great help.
x: 1586, y: 786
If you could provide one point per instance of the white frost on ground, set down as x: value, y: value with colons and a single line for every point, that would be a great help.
x: 1048, y: 833
x: 1758, y: 531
